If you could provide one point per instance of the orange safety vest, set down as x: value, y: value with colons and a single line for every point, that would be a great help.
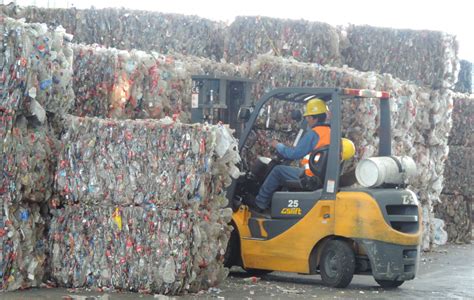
x: 324, y: 133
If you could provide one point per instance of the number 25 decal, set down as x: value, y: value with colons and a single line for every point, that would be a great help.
x: 293, y: 203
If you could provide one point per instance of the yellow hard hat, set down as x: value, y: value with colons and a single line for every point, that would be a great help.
x: 315, y: 106
x: 347, y: 149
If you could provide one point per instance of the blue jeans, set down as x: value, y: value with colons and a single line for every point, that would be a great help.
x: 274, y: 180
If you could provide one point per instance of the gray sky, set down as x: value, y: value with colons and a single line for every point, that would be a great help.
x: 451, y: 16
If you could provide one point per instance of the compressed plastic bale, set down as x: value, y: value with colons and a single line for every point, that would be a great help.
x: 133, y: 29
x: 421, y: 56
x: 36, y: 86
x: 458, y: 172
x: 464, y: 83
x: 421, y: 120
x: 462, y: 133
x: 456, y: 211
x: 22, y: 240
x: 141, y: 162
x: 135, y: 84
x: 455, y: 207
x: 36, y: 66
x: 305, y: 41
x: 145, y: 248
x: 29, y: 162
x: 125, y: 85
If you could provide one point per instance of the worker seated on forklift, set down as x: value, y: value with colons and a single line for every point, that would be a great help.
x: 318, y: 137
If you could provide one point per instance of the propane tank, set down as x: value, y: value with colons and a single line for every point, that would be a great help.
x: 393, y: 170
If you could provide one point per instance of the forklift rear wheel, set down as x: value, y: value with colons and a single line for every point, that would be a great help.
x: 337, y: 264
x: 389, y: 284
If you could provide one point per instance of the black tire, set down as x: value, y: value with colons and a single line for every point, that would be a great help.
x: 389, y: 284
x: 337, y: 264
x: 232, y: 253
x: 257, y: 272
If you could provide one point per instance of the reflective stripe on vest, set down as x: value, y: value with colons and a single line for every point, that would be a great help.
x: 324, y: 133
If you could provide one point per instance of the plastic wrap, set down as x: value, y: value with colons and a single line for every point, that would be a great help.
x: 134, y: 84
x: 132, y: 29
x: 305, y: 41
x: 23, y: 246
x: 145, y: 249
x: 422, y: 56
x: 145, y: 162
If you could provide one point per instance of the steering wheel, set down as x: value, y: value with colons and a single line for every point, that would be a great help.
x: 280, y: 160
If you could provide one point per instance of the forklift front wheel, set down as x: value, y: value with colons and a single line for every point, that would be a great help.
x: 337, y: 264
x: 389, y: 284
x: 257, y: 272
x: 232, y: 253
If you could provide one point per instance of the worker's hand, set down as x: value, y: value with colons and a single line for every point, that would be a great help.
x: 274, y: 143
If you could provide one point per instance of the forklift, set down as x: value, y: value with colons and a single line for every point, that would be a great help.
x: 333, y: 228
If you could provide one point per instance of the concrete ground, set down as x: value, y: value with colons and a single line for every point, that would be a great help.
x: 445, y: 273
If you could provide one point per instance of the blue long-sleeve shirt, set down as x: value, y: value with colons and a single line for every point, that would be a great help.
x: 305, y: 145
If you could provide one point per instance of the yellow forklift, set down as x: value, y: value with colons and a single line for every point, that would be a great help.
x: 329, y: 228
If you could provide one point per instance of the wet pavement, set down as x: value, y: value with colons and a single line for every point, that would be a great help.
x: 445, y: 273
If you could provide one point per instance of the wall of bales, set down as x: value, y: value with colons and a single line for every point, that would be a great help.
x: 36, y: 88
x: 37, y: 78
x: 153, y: 85
x: 132, y: 29
x: 455, y: 207
x: 426, y: 110
x: 423, y: 57
x: 123, y: 84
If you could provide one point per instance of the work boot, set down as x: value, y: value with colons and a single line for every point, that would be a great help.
x: 255, y: 208
x: 248, y: 199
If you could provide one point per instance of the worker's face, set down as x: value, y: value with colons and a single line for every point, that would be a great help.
x: 310, y: 120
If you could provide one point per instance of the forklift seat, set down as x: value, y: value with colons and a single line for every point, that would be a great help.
x: 318, y: 161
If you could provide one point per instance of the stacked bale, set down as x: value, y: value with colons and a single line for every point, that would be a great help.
x: 248, y: 37
x: 36, y: 86
x: 420, y: 119
x: 135, y: 84
x: 456, y: 200
x: 422, y: 56
x: 132, y: 29
x: 143, y: 205
x: 464, y: 84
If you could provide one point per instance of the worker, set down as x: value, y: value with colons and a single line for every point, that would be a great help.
x: 315, y: 114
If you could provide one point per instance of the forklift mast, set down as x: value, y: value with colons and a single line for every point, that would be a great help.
x: 219, y: 99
